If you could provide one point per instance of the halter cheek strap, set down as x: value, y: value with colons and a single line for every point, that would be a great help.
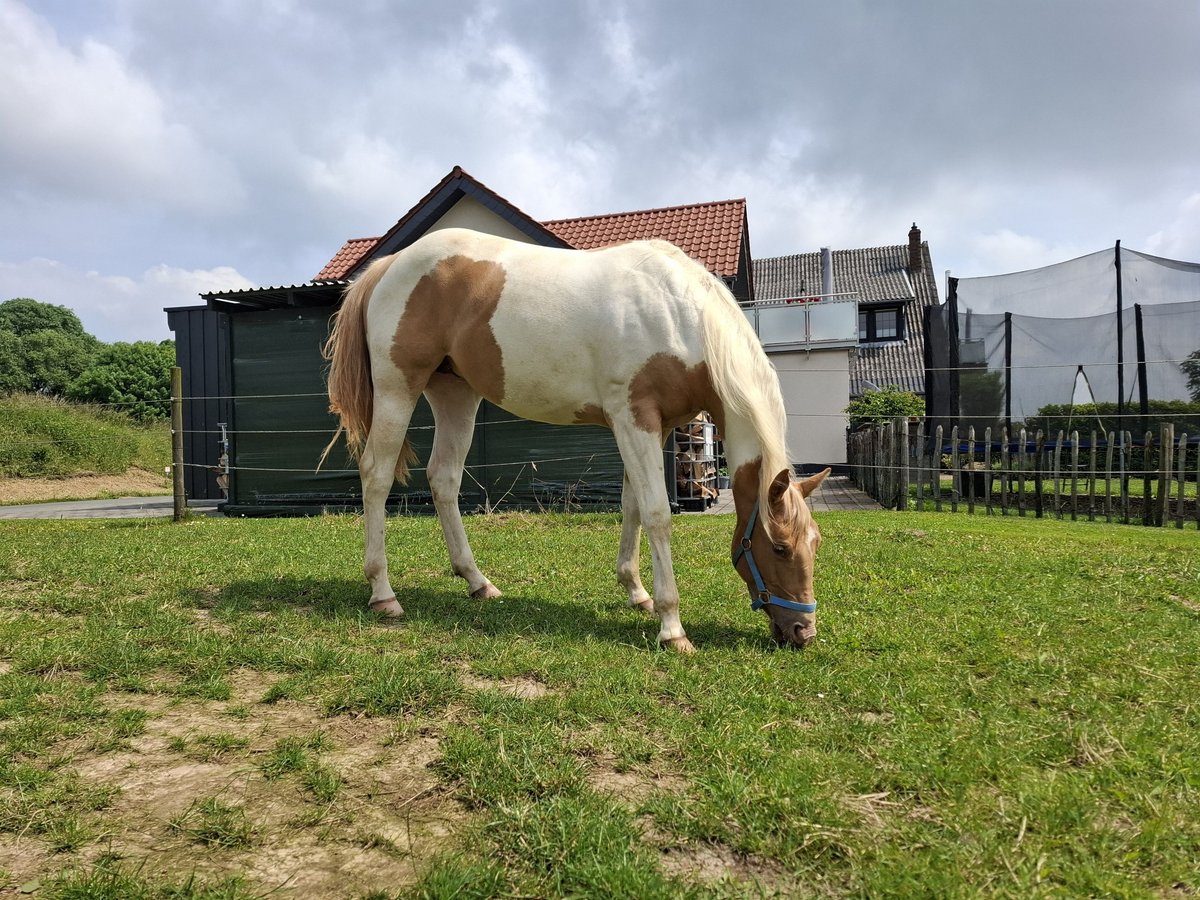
x: 763, y: 597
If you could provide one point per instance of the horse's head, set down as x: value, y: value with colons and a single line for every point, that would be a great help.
x: 774, y: 548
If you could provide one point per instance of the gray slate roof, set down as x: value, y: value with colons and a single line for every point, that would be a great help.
x: 877, y: 275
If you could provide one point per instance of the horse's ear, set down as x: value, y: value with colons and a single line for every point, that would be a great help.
x: 812, y: 482
x: 779, y: 487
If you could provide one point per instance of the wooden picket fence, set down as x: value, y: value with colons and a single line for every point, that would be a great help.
x: 1108, y: 478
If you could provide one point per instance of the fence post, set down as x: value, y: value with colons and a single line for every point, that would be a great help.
x: 1166, y: 448
x: 1022, y: 465
x: 970, y: 469
x: 1005, y: 461
x: 1197, y: 508
x: 905, y: 453
x: 1039, y: 450
x: 1108, y: 471
x: 1181, y: 468
x: 177, y: 443
x: 954, y: 469
x: 1092, y: 479
x: 1074, y: 476
x: 1125, y: 441
x: 921, y: 465
x: 936, y: 465
x: 1147, y: 494
x: 1058, y: 473
x: 987, y: 468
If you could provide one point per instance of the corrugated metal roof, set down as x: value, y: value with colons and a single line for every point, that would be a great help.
x: 879, y: 275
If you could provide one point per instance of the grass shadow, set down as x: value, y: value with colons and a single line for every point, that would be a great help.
x: 334, y: 599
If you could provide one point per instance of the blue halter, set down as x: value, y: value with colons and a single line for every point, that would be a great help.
x: 764, y: 597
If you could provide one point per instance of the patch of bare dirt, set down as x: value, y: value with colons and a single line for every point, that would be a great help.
x: 1186, y: 603
x: 133, y: 483
x: 389, y: 816
x: 523, y: 687
x: 633, y: 788
x: 711, y: 864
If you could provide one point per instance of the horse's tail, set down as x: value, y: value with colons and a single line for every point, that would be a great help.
x: 351, y: 391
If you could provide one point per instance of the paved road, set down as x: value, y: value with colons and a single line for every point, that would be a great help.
x: 837, y: 493
x: 120, y: 508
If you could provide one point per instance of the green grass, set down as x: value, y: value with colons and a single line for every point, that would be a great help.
x: 47, y: 437
x: 994, y: 707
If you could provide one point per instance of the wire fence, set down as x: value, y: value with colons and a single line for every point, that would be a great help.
x: 1106, y: 475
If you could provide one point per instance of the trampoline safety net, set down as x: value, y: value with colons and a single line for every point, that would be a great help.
x: 1109, y: 341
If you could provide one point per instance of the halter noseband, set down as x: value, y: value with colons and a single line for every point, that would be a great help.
x: 763, y: 597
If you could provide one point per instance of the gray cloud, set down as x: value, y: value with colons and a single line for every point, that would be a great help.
x: 252, y: 137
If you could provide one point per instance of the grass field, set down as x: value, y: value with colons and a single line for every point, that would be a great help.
x: 993, y: 708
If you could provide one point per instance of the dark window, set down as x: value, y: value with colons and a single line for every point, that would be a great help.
x: 882, y: 323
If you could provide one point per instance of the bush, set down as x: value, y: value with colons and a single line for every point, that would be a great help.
x: 136, y: 377
x: 1083, y: 417
x: 46, y: 437
x: 880, y: 406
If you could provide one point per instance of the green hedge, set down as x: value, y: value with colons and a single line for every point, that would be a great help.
x: 1082, y: 417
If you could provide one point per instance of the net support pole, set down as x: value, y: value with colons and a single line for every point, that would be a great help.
x: 1143, y: 381
x: 1120, y: 336
x: 177, y: 443
x: 1007, y: 373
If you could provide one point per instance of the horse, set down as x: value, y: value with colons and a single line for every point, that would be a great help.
x: 636, y: 337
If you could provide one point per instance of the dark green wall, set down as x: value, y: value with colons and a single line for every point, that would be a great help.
x: 281, y: 424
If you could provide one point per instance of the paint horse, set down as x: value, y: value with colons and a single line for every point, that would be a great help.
x: 636, y: 337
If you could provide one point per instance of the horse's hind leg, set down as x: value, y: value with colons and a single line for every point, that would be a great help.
x: 628, y: 558
x: 377, y: 471
x: 454, y: 404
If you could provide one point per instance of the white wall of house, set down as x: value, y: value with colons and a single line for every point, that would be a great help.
x: 816, y: 389
x: 470, y: 213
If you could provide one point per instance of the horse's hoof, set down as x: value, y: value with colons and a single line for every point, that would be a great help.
x: 680, y: 645
x: 645, y: 605
x: 389, y: 607
x: 488, y: 592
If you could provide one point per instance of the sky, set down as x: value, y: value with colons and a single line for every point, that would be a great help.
x: 152, y: 150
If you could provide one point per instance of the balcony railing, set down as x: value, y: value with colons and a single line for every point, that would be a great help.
x: 823, y: 323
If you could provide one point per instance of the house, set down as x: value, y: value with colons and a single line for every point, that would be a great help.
x: 253, y: 374
x: 891, y: 286
x: 716, y: 234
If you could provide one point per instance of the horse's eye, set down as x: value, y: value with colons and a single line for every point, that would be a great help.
x: 780, y: 549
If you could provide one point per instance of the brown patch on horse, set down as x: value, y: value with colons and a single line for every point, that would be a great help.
x: 667, y: 392
x: 447, y: 325
x: 591, y: 414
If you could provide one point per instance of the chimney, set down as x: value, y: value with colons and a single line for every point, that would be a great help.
x: 826, y: 272
x: 915, y: 258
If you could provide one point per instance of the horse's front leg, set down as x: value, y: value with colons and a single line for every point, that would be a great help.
x: 629, y: 574
x: 377, y: 471
x: 642, y: 454
x: 454, y: 404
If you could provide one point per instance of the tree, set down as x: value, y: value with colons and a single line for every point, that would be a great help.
x: 1191, y: 368
x: 875, y: 407
x: 136, y: 376
x: 43, y: 347
x: 22, y: 316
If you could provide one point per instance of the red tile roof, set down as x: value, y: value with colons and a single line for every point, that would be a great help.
x: 346, y: 259
x: 708, y: 232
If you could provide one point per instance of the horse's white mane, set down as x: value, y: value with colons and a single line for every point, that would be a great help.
x: 741, y: 374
